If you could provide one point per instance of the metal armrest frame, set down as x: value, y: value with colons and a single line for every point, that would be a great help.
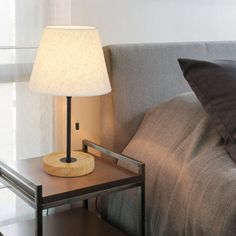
x: 141, y: 171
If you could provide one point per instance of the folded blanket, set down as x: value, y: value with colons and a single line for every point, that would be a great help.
x: 190, y: 178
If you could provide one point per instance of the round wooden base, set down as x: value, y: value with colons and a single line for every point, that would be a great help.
x: 82, y: 165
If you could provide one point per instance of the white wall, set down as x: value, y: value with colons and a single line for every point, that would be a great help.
x: 58, y: 12
x: 122, y: 21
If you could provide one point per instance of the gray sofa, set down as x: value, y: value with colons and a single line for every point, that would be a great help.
x: 143, y: 76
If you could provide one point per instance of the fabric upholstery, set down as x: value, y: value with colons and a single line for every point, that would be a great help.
x: 214, y: 83
x: 190, y: 178
x: 142, y: 76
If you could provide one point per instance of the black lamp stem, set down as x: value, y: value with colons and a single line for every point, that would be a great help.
x: 68, y: 131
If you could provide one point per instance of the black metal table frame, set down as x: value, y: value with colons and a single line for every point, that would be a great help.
x: 31, y: 192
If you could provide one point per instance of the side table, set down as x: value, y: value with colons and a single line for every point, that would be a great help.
x: 42, y: 191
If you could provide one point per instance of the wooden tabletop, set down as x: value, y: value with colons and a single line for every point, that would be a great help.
x: 106, y: 174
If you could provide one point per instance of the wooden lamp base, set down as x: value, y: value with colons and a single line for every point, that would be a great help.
x: 82, y: 164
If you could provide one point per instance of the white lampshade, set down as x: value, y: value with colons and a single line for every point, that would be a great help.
x: 70, y: 62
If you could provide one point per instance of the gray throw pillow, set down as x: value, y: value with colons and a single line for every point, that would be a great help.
x: 214, y: 83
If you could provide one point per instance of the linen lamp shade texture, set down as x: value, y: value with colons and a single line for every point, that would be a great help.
x: 70, y: 62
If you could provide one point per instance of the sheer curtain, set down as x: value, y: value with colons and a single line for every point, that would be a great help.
x: 27, y: 118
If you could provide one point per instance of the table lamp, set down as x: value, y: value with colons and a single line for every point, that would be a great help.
x: 70, y: 63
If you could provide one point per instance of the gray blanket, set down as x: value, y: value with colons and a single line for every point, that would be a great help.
x: 190, y: 178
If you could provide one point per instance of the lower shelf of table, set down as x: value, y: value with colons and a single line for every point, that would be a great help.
x: 77, y: 222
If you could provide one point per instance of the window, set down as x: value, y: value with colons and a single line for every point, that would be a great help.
x: 26, y: 121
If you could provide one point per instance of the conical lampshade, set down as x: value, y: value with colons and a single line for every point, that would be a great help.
x: 70, y: 62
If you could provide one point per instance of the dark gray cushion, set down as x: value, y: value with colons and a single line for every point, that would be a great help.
x: 214, y: 83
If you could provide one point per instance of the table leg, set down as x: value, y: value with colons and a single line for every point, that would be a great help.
x: 142, y: 210
x: 38, y: 213
x: 38, y: 222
